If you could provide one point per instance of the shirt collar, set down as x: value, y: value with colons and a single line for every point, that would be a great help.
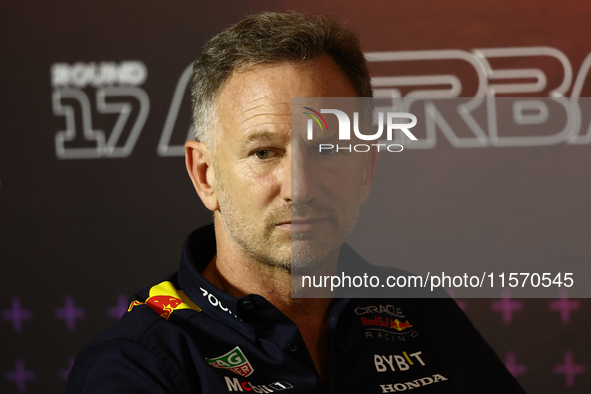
x: 198, y: 251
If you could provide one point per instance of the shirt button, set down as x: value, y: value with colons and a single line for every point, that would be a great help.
x: 292, y: 347
x: 247, y: 305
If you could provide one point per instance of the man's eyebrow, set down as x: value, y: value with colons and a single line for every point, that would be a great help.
x: 326, y: 136
x: 259, y: 135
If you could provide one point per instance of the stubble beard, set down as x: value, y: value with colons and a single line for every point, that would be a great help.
x: 256, y: 238
x: 303, y: 252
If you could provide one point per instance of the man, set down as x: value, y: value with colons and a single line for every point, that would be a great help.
x: 226, y: 320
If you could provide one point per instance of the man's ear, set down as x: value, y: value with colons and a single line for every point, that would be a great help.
x: 199, y: 162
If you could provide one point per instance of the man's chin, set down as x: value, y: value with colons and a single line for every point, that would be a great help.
x: 302, y: 252
x: 309, y: 256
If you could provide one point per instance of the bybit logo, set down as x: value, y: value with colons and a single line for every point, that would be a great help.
x: 392, y: 123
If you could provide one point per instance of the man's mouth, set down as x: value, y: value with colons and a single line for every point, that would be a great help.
x: 302, y: 224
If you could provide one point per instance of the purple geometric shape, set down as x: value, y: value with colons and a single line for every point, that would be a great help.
x: 63, y: 373
x: 70, y: 313
x: 507, y: 306
x: 20, y: 375
x: 564, y: 305
x: 17, y: 314
x: 462, y: 304
x: 512, y: 366
x: 569, y: 369
x: 116, y: 311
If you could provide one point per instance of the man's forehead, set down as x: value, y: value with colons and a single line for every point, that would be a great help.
x: 267, y: 89
x: 264, y: 109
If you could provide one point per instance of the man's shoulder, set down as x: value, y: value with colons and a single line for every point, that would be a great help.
x: 165, y: 306
x: 155, y: 307
x: 148, y: 337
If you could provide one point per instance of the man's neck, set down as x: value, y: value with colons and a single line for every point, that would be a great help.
x: 239, y: 274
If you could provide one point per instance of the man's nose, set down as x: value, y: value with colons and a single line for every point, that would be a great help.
x: 298, y: 186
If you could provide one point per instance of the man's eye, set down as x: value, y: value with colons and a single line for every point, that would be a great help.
x: 262, y: 154
x: 327, y: 151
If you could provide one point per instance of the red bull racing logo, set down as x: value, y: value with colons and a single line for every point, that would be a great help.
x: 386, y: 322
x: 399, y: 325
x: 165, y: 298
x: 394, y: 326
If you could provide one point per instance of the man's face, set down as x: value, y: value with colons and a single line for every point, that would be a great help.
x: 279, y: 200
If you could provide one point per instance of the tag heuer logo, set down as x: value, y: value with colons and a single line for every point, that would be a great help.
x: 234, y: 361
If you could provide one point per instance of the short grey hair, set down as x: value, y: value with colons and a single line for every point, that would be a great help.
x: 268, y: 38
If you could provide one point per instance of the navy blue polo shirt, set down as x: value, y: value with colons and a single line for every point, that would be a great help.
x: 184, y: 335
